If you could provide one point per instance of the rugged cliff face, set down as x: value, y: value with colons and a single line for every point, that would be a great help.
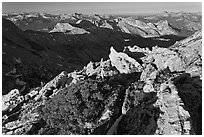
x: 158, y: 93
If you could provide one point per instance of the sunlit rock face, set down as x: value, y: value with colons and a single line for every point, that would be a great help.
x: 165, y: 23
x: 67, y: 28
x: 184, y: 55
x: 124, y: 63
x: 133, y: 26
x: 11, y: 100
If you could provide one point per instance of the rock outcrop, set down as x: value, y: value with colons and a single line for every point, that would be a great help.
x: 137, y: 49
x: 164, y: 58
x: 51, y: 87
x: 11, y: 100
x: 124, y: 63
x: 182, y: 56
x: 165, y: 112
x: 102, y: 69
x: 119, y: 96
x: 189, y: 50
x: 175, y: 119
x: 68, y: 29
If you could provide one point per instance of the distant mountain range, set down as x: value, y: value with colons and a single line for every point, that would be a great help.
x: 166, y: 23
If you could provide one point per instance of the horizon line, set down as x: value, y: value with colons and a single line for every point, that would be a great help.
x: 67, y: 12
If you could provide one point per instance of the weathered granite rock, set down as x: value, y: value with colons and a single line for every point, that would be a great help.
x: 148, y: 87
x: 25, y: 120
x: 101, y: 70
x: 190, y: 50
x: 174, y: 119
x: 59, y: 81
x: 32, y: 93
x: 25, y: 125
x: 124, y: 63
x: 137, y: 49
x: 90, y: 69
x: 76, y: 77
x: 149, y: 72
x: 11, y: 100
x: 106, y: 115
x: 167, y: 113
x: 164, y: 58
x: 185, y: 55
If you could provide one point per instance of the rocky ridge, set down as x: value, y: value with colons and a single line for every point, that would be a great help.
x: 146, y: 29
x: 67, y: 28
x: 117, y: 96
x: 167, y: 23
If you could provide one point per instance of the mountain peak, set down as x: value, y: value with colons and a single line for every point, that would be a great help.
x: 67, y: 28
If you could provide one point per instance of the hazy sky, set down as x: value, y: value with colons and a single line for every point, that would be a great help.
x: 101, y: 8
